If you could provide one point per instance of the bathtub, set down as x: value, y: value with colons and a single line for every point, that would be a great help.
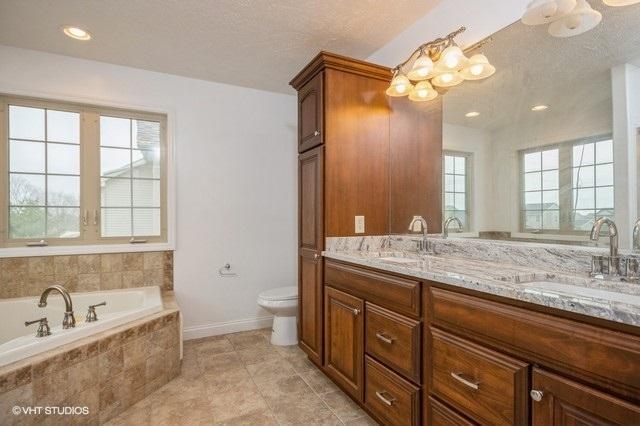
x: 18, y: 342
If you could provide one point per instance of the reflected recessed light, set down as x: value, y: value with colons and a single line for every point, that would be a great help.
x: 77, y: 33
x: 472, y: 114
x: 539, y: 108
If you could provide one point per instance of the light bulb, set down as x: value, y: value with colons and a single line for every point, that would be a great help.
x: 77, y: 33
x: 423, y: 93
x: 447, y: 78
x: 451, y: 61
x: 401, y: 88
x: 476, y: 69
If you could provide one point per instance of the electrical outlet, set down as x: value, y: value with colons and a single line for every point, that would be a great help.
x: 359, y: 224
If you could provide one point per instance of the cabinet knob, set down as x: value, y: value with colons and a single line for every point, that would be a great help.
x: 536, y: 395
x: 316, y: 256
x: 316, y: 133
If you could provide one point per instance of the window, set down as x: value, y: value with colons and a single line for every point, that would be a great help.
x: 592, y: 183
x: 456, y: 187
x: 567, y: 199
x: 78, y: 174
x: 541, y: 190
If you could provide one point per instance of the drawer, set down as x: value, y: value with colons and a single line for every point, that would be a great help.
x: 392, y: 399
x: 395, y: 293
x: 484, y: 385
x: 439, y: 414
x: 393, y: 339
x: 608, y: 358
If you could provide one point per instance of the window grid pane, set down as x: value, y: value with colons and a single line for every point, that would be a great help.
x: 44, y: 173
x: 455, y: 188
x: 592, y: 183
x: 130, y: 183
x: 540, y: 191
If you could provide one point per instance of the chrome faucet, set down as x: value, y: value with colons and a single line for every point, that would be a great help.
x: 423, y: 244
x: 636, y: 236
x: 445, y: 227
x: 69, y: 320
x: 614, y: 260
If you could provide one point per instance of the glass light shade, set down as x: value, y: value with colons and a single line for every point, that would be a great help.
x: 540, y: 12
x: 451, y: 59
x: 616, y: 3
x: 422, y: 68
x: 580, y: 20
x: 478, y: 68
x: 400, y: 86
x: 448, y: 79
x: 423, y: 91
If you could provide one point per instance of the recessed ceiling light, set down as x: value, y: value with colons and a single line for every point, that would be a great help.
x: 77, y: 33
x: 539, y: 108
x: 472, y: 114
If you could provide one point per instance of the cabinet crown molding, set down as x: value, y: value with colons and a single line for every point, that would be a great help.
x: 324, y: 60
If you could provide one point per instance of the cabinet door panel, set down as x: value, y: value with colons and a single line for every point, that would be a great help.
x: 310, y: 114
x: 344, y: 338
x: 310, y: 196
x: 310, y: 304
x: 565, y: 402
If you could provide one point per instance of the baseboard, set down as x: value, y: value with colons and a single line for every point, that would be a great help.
x: 199, y: 331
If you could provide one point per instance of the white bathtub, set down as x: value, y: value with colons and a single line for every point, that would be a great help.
x: 18, y: 342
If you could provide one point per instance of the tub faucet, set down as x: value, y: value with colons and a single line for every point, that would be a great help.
x: 69, y: 320
x: 636, y: 236
x: 424, y: 243
x: 445, y: 227
x: 614, y: 261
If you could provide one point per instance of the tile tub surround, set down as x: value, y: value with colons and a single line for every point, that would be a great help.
x: 507, y: 280
x: 548, y: 257
x: 240, y: 379
x: 28, y: 276
x: 107, y: 372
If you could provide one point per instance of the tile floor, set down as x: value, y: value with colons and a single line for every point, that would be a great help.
x: 240, y: 379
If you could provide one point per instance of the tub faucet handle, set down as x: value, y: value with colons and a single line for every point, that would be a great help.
x: 91, y: 314
x: 43, y: 326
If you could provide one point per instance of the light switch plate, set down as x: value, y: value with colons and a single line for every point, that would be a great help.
x: 359, y: 224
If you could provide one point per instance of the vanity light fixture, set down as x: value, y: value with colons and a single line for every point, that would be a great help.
x: 539, y: 108
x: 567, y: 18
x: 580, y: 20
x: 472, y: 114
x: 439, y: 63
x: 77, y: 33
x: 617, y: 3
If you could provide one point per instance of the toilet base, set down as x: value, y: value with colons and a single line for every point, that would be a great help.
x: 284, y: 331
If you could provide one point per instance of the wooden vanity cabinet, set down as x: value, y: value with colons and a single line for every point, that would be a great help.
x: 344, y: 330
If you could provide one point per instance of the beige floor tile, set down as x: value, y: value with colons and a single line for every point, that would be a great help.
x: 309, y: 410
x: 223, y: 381
x: 318, y: 381
x: 270, y: 370
x: 342, y: 406
x: 291, y: 389
x: 301, y: 365
x: 213, y: 346
x: 257, y: 418
x: 248, y: 339
x: 361, y: 421
x: 291, y: 351
x: 258, y: 354
x: 237, y: 402
x: 219, y: 362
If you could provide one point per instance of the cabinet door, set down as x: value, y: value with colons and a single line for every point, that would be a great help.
x: 344, y: 339
x: 564, y: 402
x: 310, y: 245
x: 310, y: 114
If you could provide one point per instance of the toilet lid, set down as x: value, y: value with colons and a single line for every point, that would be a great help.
x: 280, y: 293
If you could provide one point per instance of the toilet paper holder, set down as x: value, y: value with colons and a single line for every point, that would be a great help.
x: 226, y: 271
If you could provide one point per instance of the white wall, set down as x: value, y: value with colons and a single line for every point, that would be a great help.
x: 236, y: 176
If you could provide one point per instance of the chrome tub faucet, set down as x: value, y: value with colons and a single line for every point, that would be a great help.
x: 69, y: 320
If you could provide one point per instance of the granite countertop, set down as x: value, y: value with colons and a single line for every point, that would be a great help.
x: 575, y: 293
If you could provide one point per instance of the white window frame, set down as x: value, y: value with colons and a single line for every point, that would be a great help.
x: 468, y: 186
x: 100, y: 244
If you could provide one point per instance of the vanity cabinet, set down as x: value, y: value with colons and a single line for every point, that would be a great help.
x: 344, y: 328
x: 310, y: 114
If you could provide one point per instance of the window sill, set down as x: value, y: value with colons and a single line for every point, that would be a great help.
x: 88, y: 249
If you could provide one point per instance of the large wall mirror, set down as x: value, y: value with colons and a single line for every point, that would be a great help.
x: 550, y: 142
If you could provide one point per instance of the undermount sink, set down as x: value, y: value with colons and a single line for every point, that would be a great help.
x: 579, y: 291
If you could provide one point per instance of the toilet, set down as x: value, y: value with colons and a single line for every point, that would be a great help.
x: 282, y: 302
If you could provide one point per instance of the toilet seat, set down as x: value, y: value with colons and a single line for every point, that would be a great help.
x: 280, y: 294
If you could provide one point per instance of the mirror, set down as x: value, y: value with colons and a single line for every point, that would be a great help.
x: 550, y: 142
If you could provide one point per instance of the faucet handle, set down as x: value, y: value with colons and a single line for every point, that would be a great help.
x: 43, y: 326
x: 91, y: 313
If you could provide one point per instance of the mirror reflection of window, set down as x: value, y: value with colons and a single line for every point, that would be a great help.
x: 457, y: 166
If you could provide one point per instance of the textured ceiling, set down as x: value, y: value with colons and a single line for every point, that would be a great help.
x: 253, y: 43
x: 570, y: 75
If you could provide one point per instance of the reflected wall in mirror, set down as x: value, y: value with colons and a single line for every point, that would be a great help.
x: 550, y: 142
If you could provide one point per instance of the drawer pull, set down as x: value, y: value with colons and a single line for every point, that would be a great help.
x: 536, y: 395
x: 354, y: 311
x: 382, y: 396
x: 385, y: 339
x: 472, y: 385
